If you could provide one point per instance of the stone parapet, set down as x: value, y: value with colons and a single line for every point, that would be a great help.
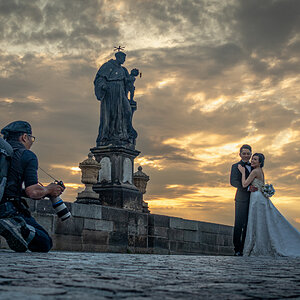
x: 97, y: 228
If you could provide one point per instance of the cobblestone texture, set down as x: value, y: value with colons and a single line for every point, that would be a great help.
x: 73, y: 275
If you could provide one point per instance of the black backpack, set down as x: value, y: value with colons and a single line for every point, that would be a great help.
x: 6, y: 152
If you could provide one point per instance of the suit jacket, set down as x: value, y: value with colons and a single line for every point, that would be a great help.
x: 242, y: 194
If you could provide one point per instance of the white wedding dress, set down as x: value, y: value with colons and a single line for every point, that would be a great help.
x: 268, y: 232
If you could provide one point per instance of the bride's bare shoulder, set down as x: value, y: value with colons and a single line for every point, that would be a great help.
x: 255, y: 171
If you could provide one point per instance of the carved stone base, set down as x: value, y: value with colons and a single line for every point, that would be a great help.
x: 121, y: 196
x: 145, y: 208
x: 88, y: 193
x: 115, y: 181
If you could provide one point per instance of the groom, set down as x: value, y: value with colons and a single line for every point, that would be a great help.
x: 242, y: 198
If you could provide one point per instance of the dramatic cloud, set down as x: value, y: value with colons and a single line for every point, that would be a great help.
x: 216, y: 74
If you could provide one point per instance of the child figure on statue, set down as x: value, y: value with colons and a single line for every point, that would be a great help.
x: 130, y: 84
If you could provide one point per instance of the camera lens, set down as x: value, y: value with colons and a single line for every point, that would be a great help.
x: 60, y: 208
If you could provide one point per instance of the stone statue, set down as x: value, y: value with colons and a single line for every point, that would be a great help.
x: 130, y: 83
x: 112, y: 84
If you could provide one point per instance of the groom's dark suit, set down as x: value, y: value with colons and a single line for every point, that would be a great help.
x: 242, y: 198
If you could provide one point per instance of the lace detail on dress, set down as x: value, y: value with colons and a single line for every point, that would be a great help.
x: 258, y: 183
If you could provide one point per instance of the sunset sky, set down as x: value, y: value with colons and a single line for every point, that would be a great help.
x: 216, y: 74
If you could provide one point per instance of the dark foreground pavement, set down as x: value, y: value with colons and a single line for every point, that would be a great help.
x: 71, y: 275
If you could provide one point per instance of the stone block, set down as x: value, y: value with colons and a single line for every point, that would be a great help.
x: 122, y: 196
x: 142, y: 250
x: 91, y: 247
x: 183, y: 224
x: 46, y: 221
x: 190, y: 236
x: 223, y: 250
x: 117, y: 249
x: 208, y: 227
x: 183, y: 247
x: 159, y: 220
x: 160, y: 232
x: 228, y: 241
x: 150, y: 230
x: 142, y: 230
x: 220, y: 240
x: 131, y: 241
x: 142, y: 219
x: 160, y: 251
x: 95, y: 237
x: 209, y: 238
x: 173, y: 247
x: 158, y: 242
x: 175, y: 234
x: 141, y: 241
x: 67, y: 242
x: 212, y: 249
x: 114, y: 214
x: 118, y: 239
x: 196, y: 248
x: 121, y: 227
x: 91, y: 211
x: 132, y: 216
x: 72, y: 226
x: 226, y: 230
x: 103, y: 225
x: 132, y: 227
x: 32, y: 204
x: 44, y: 206
x: 207, y: 249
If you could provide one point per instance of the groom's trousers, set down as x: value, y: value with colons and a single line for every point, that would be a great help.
x: 240, y: 225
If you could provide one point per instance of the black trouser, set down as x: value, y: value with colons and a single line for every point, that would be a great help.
x: 41, y: 241
x: 240, y: 225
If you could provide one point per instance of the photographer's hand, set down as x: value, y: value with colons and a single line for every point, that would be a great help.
x: 37, y: 191
x: 54, y: 190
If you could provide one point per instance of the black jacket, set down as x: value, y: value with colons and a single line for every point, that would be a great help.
x: 242, y: 194
x: 23, y: 168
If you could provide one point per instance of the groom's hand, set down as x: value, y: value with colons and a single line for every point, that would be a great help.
x: 252, y: 188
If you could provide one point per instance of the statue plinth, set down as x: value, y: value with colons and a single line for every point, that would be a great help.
x: 115, y: 181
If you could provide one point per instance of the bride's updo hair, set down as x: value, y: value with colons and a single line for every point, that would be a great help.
x: 261, y: 158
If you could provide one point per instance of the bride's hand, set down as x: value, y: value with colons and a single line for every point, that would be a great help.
x: 241, y: 169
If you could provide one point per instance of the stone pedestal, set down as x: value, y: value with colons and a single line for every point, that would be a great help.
x: 115, y: 181
x: 90, y: 170
x: 140, y: 180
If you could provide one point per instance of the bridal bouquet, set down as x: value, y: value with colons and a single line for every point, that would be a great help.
x: 268, y: 190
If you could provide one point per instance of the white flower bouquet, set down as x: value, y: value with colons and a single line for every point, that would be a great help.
x: 268, y: 190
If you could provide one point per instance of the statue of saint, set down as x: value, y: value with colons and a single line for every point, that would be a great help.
x: 111, y: 88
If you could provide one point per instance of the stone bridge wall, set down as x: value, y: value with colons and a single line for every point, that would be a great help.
x: 97, y: 228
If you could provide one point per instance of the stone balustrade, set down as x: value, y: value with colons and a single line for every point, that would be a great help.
x: 97, y: 228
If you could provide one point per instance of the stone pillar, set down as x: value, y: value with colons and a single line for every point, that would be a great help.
x: 90, y: 170
x: 140, y: 180
x: 115, y: 181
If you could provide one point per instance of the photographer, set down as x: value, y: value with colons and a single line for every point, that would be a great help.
x: 17, y: 226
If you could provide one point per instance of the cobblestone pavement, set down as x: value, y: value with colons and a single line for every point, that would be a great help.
x: 73, y: 275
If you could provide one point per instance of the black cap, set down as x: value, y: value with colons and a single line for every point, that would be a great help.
x: 15, y: 127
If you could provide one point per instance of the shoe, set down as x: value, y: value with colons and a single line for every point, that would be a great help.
x: 10, y: 229
x: 238, y: 253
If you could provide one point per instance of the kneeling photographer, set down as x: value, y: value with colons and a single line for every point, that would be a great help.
x: 17, y: 226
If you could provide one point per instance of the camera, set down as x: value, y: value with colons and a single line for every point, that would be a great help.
x: 59, y: 206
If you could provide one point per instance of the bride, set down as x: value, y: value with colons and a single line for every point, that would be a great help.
x: 268, y: 232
